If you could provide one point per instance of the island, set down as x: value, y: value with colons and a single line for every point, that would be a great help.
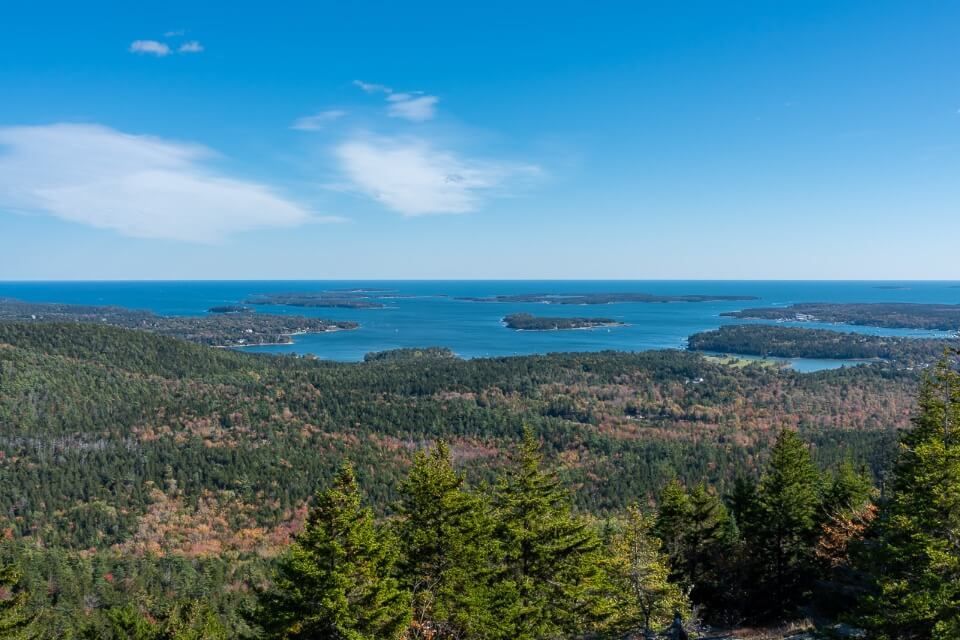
x: 602, y: 298
x: 321, y: 299
x: 529, y: 322
x: 409, y: 354
x: 230, y: 308
x: 219, y: 330
x: 800, y: 342
x: 889, y: 315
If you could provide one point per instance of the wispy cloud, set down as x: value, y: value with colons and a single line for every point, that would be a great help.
x: 150, y: 47
x: 175, y: 33
x: 409, y: 105
x: 190, y: 47
x: 412, y: 177
x: 136, y: 185
x: 370, y: 87
x: 415, y: 109
x: 318, y: 120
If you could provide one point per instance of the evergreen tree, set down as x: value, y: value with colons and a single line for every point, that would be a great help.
x: 550, y: 581
x: 848, y: 492
x: 710, y: 552
x: 783, y: 532
x: 193, y: 621
x: 916, y: 560
x: 335, y: 582
x: 744, y: 503
x: 642, y: 596
x: 448, y: 550
x: 673, y: 521
x: 14, y: 620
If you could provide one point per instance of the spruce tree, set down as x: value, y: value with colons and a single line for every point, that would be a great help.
x: 848, y: 492
x: 783, y: 535
x: 710, y: 551
x: 448, y: 550
x: 550, y: 583
x: 642, y: 596
x: 916, y: 558
x: 672, y: 524
x: 335, y: 582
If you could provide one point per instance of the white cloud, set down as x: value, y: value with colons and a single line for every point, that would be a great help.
x: 190, y: 47
x: 139, y: 186
x: 317, y: 121
x: 413, y: 105
x: 175, y: 33
x: 412, y: 177
x: 150, y: 47
x: 415, y: 109
x: 370, y: 87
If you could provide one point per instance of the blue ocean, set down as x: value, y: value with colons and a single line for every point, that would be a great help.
x: 430, y: 313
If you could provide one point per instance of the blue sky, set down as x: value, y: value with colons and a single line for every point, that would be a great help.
x: 626, y: 140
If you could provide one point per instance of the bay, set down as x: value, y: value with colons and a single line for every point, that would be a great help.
x: 431, y: 313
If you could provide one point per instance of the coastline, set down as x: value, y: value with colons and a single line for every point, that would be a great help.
x: 281, y: 344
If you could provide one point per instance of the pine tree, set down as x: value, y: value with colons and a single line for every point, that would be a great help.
x: 448, y: 550
x: 642, y: 596
x: 784, y: 532
x: 916, y: 561
x: 549, y: 584
x: 335, y: 582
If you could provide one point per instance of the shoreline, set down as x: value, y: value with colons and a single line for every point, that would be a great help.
x: 282, y: 344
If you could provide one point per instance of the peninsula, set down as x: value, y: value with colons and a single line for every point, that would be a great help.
x: 225, y: 329
x: 889, y: 315
x: 800, y: 342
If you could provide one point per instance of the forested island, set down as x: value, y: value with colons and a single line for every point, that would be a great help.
x: 529, y: 322
x: 800, y: 342
x: 891, y: 315
x: 221, y: 329
x: 230, y: 308
x: 602, y: 298
x: 343, y: 299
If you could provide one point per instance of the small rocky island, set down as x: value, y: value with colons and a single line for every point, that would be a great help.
x: 223, y: 329
x: 529, y: 322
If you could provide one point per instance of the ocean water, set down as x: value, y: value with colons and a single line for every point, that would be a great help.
x: 428, y: 313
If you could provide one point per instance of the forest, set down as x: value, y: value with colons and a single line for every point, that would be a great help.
x: 801, y: 342
x: 226, y: 326
x: 891, y: 315
x: 530, y: 322
x: 156, y: 488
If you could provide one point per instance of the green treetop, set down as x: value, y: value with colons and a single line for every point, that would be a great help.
x: 782, y: 535
x: 550, y: 579
x: 643, y: 597
x: 448, y: 550
x: 916, y: 559
x: 335, y: 582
